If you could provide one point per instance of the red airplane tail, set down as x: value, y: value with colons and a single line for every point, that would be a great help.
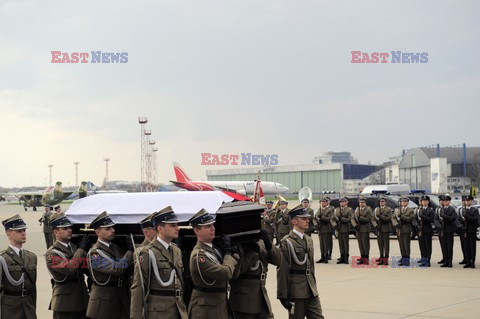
x: 179, y: 173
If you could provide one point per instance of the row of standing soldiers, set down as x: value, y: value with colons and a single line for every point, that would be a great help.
x: 383, y: 221
x: 228, y: 280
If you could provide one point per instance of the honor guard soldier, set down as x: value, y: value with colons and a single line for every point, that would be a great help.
x: 19, y: 273
x: 425, y: 216
x: 268, y: 220
x: 306, y: 205
x: 324, y: 217
x: 471, y: 225
x: 248, y: 294
x: 448, y: 216
x: 283, y: 221
x: 64, y: 259
x: 47, y: 230
x: 343, y: 215
x: 330, y: 243
x: 363, y: 217
x: 157, y: 290
x: 405, y: 217
x: 108, y: 267
x: 460, y: 227
x: 438, y: 225
x: 210, y: 270
x: 148, y: 230
x: 58, y: 209
x: 296, y: 283
x: 383, y: 214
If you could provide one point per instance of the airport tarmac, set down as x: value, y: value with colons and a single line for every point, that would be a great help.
x: 345, y: 291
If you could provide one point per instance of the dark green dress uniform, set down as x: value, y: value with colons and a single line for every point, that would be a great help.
x: 70, y: 295
x: 108, y: 266
x: 448, y: 216
x: 438, y: 225
x: 268, y: 221
x: 283, y: 223
x: 248, y: 294
x: 405, y: 216
x: 324, y: 217
x: 363, y: 217
x: 471, y: 225
x: 157, y: 292
x: 18, y: 278
x: 47, y: 230
x: 296, y: 283
x: 344, y: 216
x: 310, y: 213
x: 210, y: 273
x: 384, y: 215
x: 425, y: 216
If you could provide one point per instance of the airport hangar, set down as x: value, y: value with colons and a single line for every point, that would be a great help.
x: 318, y: 177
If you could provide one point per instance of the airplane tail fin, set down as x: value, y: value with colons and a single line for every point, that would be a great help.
x: 179, y: 173
x: 58, y: 190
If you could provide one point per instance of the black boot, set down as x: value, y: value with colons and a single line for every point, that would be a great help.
x: 379, y: 261
x: 360, y: 261
x: 329, y: 255
x: 321, y: 260
x: 472, y: 263
x: 467, y: 265
x: 385, y: 261
x: 341, y: 260
x: 463, y: 262
x: 341, y: 256
x: 325, y: 259
x: 345, y: 260
x: 366, y: 260
x: 441, y: 261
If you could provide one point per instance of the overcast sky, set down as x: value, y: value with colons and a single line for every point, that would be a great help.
x: 266, y: 77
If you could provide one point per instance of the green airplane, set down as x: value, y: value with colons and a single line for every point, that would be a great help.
x: 52, y: 195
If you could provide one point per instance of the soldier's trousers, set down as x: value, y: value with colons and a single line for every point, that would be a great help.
x: 364, y: 243
x: 471, y: 245
x: 309, y: 308
x: 48, y: 239
x: 68, y: 315
x: 343, y: 243
x: 264, y: 315
x: 463, y: 243
x: 448, y: 245
x: 404, y: 242
x: 441, y: 239
x: 425, y: 243
x: 384, y: 243
x: 325, y: 240
x: 330, y: 244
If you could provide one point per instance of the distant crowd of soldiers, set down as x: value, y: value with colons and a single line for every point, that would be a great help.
x: 383, y: 221
x: 228, y: 280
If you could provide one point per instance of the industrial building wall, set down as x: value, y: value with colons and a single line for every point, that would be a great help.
x: 318, y: 181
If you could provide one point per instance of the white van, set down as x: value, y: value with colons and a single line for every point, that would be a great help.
x: 399, y: 189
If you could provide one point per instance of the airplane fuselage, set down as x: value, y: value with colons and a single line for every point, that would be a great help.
x: 241, y: 187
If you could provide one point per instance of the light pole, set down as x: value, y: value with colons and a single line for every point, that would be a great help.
x: 106, y: 159
x: 142, y: 120
x: 50, y: 174
x: 76, y: 172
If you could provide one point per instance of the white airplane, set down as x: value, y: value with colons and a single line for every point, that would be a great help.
x: 239, y: 187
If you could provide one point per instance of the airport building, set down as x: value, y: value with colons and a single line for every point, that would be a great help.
x: 319, y: 176
x: 436, y: 169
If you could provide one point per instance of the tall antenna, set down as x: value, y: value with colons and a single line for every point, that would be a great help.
x: 50, y: 174
x: 106, y: 159
x: 142, y: 120
x: 76, y: 172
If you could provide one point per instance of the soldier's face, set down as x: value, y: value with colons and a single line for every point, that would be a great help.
x: 170, y: 231
x: 269, y: 206
x: 469, y: 202
x: 63, y: 234
x: 362, y: 204
x: 17, y: 236
x: 283, y: 206
x: 105, y: 233
x: 343, y: 204
x: 324, y: 204
x: 301, y: 222
x: 424, y: 202
x: 382, y: 203
x: 403, y: 203
x: 305, y: 204
x: 205, y: 233
x: 149, y: 233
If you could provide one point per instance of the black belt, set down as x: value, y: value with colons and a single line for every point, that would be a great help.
x: 211, y: 290
x: 22, y: 293
x: 261, y: 277
x: 67, y: 281
x: 167, y: 293
x: 305, y: 272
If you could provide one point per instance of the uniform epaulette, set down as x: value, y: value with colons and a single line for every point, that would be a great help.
x: 175, y: 244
